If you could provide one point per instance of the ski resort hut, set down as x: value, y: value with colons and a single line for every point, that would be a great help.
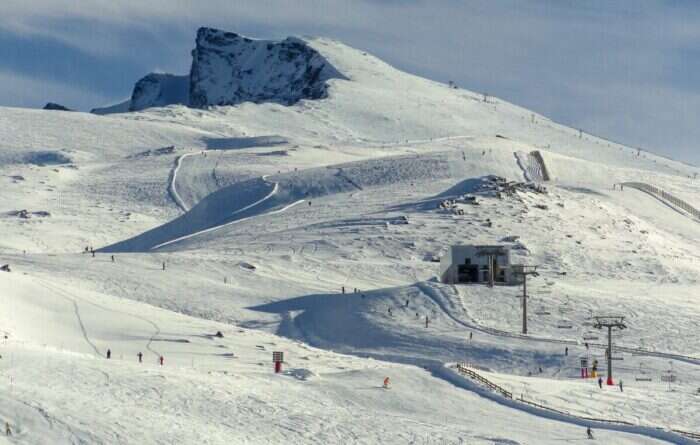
x: 477, y: 264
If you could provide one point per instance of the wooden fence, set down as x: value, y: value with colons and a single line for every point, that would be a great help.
x: 655, y: 191
x: 466, y: 370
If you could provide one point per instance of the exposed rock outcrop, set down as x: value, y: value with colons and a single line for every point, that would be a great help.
x: 228, y: 69
x: 56, y: 107
x: 158, y: 90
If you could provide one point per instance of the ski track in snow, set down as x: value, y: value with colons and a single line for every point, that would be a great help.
x: 172, y: 184
x: 221, y: 226
x: 73, y: 299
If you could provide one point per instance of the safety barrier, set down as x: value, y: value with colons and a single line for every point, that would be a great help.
x: 665, y: 196
x: 465, y: 369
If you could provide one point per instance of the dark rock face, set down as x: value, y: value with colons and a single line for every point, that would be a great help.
x: 56, y: 107
x: 228, y: 69
x: 159, y: 90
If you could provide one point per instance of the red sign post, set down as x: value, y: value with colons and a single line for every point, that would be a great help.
x: 278, y: 358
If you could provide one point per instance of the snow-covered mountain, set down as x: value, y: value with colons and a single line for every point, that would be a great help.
x: 312, y: 227
x: 229, y: 69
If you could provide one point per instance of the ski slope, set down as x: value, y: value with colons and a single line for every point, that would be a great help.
x: 252, y: 220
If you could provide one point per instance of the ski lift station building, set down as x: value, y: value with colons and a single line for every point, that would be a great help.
x: 477, y: 264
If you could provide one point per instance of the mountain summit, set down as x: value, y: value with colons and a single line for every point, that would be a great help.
x: 229, y: 69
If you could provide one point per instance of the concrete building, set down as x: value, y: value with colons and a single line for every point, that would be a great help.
x: 478, y: 264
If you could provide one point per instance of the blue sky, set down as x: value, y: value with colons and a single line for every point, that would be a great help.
x: 626, y: 70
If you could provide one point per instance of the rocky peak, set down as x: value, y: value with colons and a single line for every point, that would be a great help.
x: 159, y: 90
x: 56, y: 107
x: 228, y: 69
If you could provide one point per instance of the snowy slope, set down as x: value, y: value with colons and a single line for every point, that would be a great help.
x: 251, y: 219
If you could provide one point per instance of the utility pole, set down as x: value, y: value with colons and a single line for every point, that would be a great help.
x: 524, y: 271
x: 610, y: 322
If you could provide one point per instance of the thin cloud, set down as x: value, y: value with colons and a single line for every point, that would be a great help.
x: 588, y: 64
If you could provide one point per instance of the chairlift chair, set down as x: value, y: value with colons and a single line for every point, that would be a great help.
x: 590, y: 335
x: 643, y: 375
x: 564, y: 324
x: 542, y: 310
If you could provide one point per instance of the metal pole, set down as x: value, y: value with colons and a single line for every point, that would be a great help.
x: 610, y: 379
x: 524, y: 304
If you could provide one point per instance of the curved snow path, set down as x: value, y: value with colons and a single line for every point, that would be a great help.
x: 76, y: 310
x: 172, y: 188
x: 272, y: 193
x: 430, y: 291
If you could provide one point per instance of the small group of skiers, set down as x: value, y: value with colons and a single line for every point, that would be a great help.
x: 139, y: 356
x: 354, y: 290
x: 600, y: 384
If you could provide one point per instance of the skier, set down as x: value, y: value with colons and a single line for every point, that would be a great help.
x: 309, y: 203
x: 342, y: 289
x: 586, y: 345
x: 112, y: 258
x: 426, y: 321
x: 406, y: 302
x: 109, y: 354
x: 540, y: 370
x: 140, y: 356
x: 621, y: 386
x: 471, y: 334
x: 161, y: 360
x: 589, y: 432
x: 566, y: 350
x: 163, y: 265
x: 600, y: 382
x: 8, y: 431
x: 386, y: 383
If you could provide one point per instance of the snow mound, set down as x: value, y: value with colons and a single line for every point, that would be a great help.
x: 40, y: 158
x: 300, y: 373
